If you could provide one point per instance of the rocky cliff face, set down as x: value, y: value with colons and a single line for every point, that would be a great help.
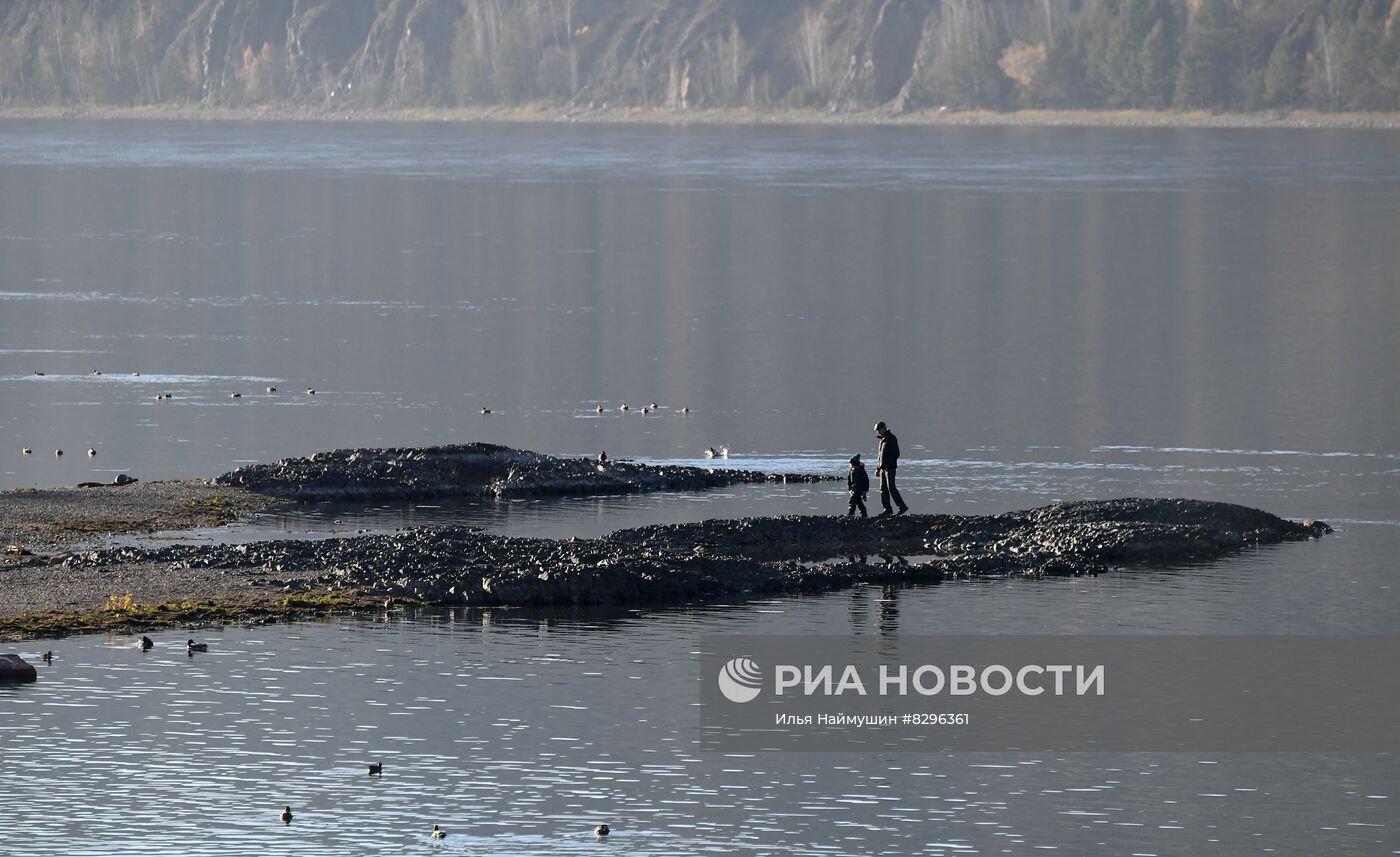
x: 406, y: 53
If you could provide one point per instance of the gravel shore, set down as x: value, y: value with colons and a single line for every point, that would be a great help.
x: 60, y: 576
x: 553, y: 113
x: 45, y: 519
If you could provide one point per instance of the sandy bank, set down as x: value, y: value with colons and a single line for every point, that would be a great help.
x: 733, y: 116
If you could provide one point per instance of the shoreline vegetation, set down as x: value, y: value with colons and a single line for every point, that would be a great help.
x: 840, y: 57
x: 62, y: 573
x: 549, y: 113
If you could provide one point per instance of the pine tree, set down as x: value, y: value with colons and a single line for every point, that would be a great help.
x: 1389, y: 60
x: 1158, y: 65
x: 1360, y: 28
x: 1283, y: 76
x: 1210, y: 62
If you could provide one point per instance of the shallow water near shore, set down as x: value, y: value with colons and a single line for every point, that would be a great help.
x: 1041, y: 314
x: 518, y: 734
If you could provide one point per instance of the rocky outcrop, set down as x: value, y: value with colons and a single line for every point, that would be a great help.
x: 474, y: 469
x: 14, y: 668
x: 739, y: 558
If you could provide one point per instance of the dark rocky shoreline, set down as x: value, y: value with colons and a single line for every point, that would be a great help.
x: 721, y: 559
x: 474, y: 469
x: 68, y: 578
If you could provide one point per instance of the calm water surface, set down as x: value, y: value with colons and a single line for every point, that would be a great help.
x: 977, y: 288
x: 1041, y: 315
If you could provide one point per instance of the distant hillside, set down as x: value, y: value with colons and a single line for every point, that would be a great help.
x: 824, y: 54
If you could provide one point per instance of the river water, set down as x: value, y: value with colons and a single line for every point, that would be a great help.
x: 1039, y: 314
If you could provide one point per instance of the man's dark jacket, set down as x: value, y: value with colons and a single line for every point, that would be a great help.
x: 889, y: 451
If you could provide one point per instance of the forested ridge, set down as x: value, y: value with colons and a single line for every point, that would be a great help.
x: 837, y: 55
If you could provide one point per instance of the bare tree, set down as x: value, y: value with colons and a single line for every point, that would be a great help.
x: 811, y: 50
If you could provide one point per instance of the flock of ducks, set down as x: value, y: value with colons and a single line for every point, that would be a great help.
x: 310, y: 391
x: 58, y: 453
x: 145, y: 644
x: 646, y: 409
x: 437, y: 832
x: 710, y: 452
x: 376, y: 769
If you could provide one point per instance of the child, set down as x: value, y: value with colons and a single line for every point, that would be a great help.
x: 858, y: 483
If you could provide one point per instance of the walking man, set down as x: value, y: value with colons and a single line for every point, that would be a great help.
x: 888, y: 462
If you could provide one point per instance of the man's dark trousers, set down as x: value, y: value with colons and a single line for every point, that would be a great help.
x: 887, y: 490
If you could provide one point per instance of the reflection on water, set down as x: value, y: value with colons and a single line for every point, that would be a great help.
x: 1011, y: 288
x: 518, y: 735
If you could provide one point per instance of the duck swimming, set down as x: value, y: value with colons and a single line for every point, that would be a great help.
x: 272, y: 389
x: 286, y: 816
x: 47, y: 657
x: 235, y: 395
x: 599, y: 409
x: 196, y: 647
x: 28, y: 451
x: 91, y: 452
x: 601, y: 830
x: 439, y: 833
x: 144, y: 644
x: 486, y: 410
x: 376, y: 769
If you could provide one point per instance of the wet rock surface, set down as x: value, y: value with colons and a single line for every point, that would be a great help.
x: 722, y: 559
x: 14, y: 668
x: 474, y: 469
